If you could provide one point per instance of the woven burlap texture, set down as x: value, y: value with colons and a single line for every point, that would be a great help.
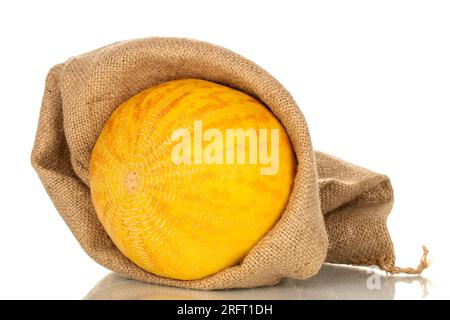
x: 336, y: 212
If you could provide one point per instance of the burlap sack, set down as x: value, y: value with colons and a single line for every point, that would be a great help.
x: 337, y: 211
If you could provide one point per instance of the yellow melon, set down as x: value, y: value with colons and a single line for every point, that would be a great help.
x: 176, y: 183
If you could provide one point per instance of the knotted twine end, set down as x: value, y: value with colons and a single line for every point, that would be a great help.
x: 424, y: 263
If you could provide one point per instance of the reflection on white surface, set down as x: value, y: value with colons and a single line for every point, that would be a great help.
x: 332, y: 282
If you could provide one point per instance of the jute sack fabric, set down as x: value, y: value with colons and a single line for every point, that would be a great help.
x: 336, y: 212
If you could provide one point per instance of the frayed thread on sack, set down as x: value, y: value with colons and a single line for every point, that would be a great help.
x: 424, y: 264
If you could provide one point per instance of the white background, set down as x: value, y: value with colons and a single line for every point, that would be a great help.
x: 372, y: 78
